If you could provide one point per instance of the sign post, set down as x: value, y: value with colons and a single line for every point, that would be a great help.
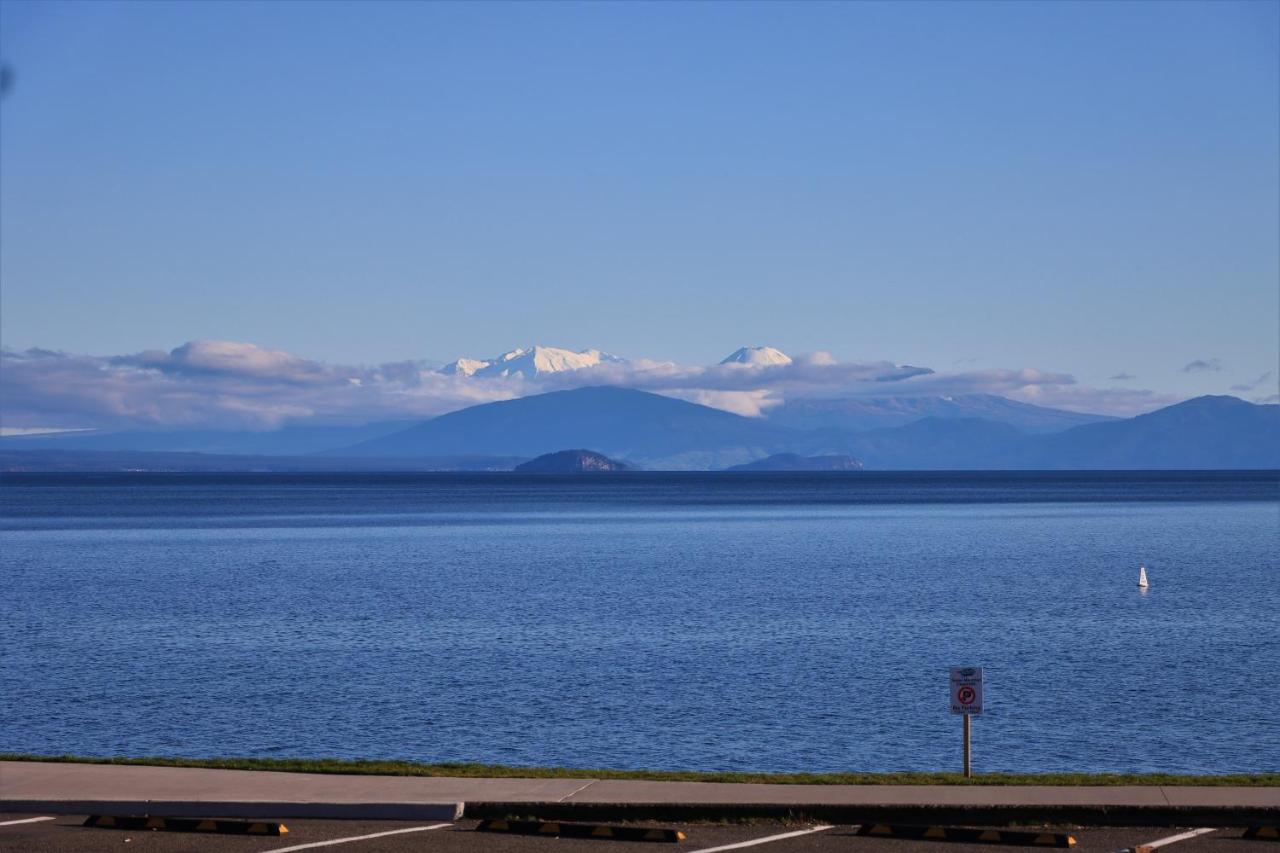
x: 968, y: 752
x: 966, y: 698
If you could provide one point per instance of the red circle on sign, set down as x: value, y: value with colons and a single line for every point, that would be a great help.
x: 965, y: 695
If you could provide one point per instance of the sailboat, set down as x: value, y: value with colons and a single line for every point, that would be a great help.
x: 1142, y: 577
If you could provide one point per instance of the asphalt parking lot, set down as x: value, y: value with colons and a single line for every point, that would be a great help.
x: 66, y: 834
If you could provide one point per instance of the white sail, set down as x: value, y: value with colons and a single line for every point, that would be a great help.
x: 1142, y: 577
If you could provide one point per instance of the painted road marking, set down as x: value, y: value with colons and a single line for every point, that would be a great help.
x: 1172, y: 839
x: 26, y: 820
x: 767, y: 839
x: 333, y: 841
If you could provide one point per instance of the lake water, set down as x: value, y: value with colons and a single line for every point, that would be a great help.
x: 783, y: 622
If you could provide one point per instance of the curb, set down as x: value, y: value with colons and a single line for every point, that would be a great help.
x: 926, y: 815
x: 581, y: 830
x: 183, y: 824
x: 241, y: 809
x: 966, y: 835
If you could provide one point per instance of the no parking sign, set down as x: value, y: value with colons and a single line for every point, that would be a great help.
x: 966, y: 690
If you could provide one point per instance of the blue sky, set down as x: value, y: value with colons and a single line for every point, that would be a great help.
x: 1083, y: 188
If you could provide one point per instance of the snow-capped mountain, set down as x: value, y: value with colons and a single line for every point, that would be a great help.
x: 758, y: 357
x: 464, y: 366
x: 534, y: 361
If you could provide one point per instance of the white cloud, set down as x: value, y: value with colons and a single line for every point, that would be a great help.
x: 232, y: 358
x: 222, y: 384
x: 751, y: 404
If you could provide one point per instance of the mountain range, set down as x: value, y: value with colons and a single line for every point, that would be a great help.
x: 802, y: 415
x: 659, y: 432
x: 533, y: 361
x: 972, y: 431
x: 539, y: 360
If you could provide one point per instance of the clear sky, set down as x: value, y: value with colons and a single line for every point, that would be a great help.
x: 1088, y: 188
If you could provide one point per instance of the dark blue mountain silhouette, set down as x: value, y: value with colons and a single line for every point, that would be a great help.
x: 619, y: 422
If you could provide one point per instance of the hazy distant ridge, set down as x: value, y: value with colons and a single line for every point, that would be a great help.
x: 867, y: 413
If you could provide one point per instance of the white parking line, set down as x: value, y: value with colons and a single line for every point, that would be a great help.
x: 768, y: 838
x: 1172, y: 839
x: 26, y: 820
x: 334, y: 841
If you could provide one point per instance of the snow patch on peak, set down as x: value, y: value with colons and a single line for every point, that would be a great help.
x: 464, y: 366
x: 758, y: 357
x: 533, y: 361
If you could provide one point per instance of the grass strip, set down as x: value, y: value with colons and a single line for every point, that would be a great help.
x: 498, y: 771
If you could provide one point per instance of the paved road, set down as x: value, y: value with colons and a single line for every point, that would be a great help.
x: 65, y: 834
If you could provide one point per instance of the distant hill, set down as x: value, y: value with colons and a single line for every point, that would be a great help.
x: 796, y: 462
x: 656, y: 431
x: 13, y: 461
x: 866, y: 413
x: 571, y: 462
x: 1206, y: 432
x: 288, y: 441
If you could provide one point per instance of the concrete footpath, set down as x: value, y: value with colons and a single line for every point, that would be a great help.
x: 66, y: 788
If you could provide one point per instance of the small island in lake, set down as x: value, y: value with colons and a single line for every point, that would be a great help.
x: 795, y: 462
x: 571, y: 462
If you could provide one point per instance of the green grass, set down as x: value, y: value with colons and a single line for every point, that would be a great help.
x: 410, y: 768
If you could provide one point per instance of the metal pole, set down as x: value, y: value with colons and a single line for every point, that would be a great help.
x: 968, y: 765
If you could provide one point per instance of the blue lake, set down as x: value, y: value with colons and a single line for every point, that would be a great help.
x: 785, y: 623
